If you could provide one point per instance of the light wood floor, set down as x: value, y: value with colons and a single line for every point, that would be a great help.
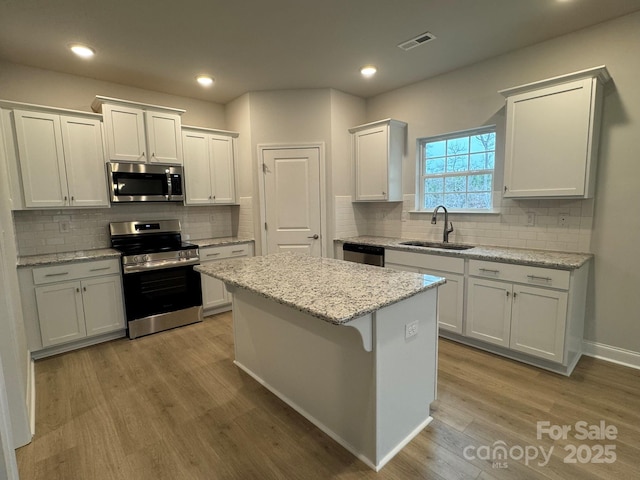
x: 173, y: 406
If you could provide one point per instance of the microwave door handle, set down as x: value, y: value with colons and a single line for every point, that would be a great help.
x: 170, y: 187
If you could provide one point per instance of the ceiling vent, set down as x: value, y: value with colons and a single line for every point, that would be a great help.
x: 417, y: 41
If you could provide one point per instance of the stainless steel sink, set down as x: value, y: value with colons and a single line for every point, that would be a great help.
x: 446, y: 246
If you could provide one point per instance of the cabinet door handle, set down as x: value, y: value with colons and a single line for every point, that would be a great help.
x: 77, y: 290
x: 487, y: 270
x: 237, y: 251
x: 514, y: 295
x: 315, y: 236
x: 84, y: 289
x: 99, y: 269
x: 535, y: 277
x: 212, y: 254
x: 56, y: 274
x: 507, y: 294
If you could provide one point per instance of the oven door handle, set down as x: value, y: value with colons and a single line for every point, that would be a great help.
x: 159, y: 266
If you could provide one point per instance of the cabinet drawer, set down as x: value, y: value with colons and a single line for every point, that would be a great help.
x: 225, y: 251
x: 74, y: 271
x: 425, y: 260
x: 544, y: 277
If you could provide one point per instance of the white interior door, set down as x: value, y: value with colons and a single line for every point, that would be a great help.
x: 292, y: 200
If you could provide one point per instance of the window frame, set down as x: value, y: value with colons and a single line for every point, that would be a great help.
x: 422, y: 175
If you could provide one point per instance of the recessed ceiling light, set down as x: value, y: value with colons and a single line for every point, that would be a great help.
x: 205, y: 80
x: 368, y: 71
x: 82, y: 50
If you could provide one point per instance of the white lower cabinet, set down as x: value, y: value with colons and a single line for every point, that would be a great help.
x: 102, y: 301
x: 538, y: 322
x: 450, y: 300
x: 450, y: 295
x: 71, y: 302
x: 531, y: 314
x: 61, y: 313
x: 524, y: 318
x: 72, y: 310
x: 488, y: 311
x: 215, y: 297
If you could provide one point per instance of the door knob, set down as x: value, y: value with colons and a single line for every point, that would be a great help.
x: 315, y: 237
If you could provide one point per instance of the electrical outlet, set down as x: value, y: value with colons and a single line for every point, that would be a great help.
x: 65, y: 226
x: 531, y: 219
x: 562, y: 219
x: 411, y: 329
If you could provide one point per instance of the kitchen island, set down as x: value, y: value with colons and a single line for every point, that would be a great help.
x: 351, y: 347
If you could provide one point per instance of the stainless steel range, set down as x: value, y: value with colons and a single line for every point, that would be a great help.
x: 161, y: 288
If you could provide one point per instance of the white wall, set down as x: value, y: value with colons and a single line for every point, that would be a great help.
x: 238, y: 116
x: 346, y: 111
x: 296, y: 117
x: 8, y: 465
x: 20, y: 83
x: 13, y: 343
x: 238, y: 119
x: 468, y: 98
x: 280, y: 117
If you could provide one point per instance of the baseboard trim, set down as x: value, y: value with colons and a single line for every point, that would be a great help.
x: 85, y: 342
x: 627, y: 358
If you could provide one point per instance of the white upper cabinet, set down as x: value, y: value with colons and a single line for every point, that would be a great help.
x: 140, y: 133
x: 60, y: 160
x: 84, y: 160
x: 164, y: 137
x: 377, y: 150
x: 552, y: 133
x: 44, y: 177
x: 210, y: 166
x: 124, y: 129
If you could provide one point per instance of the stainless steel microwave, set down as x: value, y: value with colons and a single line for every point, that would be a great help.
x: 136, y: 182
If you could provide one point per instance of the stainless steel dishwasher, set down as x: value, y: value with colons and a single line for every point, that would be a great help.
x: 353, y: 252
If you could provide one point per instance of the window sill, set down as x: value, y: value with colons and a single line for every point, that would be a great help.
x: 493, y: 211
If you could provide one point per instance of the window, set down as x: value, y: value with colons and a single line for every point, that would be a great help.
x: 456, y: 170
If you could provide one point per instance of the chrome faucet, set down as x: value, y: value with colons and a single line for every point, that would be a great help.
x: 448, y: 226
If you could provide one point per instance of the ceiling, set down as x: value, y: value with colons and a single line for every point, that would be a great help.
x: 251, y: 45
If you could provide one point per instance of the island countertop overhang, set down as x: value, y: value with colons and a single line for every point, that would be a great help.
x: 331, y: 290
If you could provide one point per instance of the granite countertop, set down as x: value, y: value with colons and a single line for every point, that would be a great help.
x: 329, y: 289
x: 101, y: 253
x: 536, y: 258
x: 215, y: 242
x: 67, y: 257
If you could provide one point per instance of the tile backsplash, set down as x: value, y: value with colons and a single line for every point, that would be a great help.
x: 245, y: 218
x: 509, y: 228
x: 53, y: 231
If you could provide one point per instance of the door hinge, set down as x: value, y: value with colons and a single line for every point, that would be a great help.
x: 265, y: 169
x: 265, y: 225
x: 505, y: 189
